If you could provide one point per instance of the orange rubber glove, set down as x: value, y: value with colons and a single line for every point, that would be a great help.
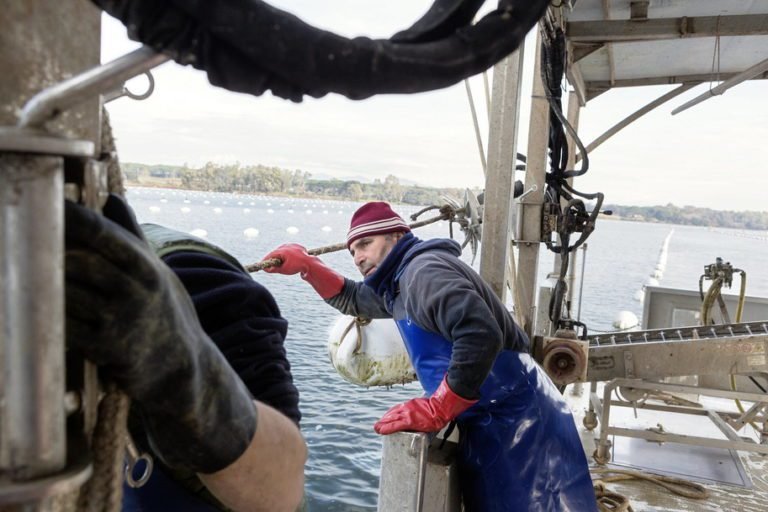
x: 424, y: 414
x: 326, y: 281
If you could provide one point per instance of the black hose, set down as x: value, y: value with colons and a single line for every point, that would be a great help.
x: 250, y: 46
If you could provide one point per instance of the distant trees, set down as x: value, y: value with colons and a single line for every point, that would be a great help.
x: 693, y: 216
x: 274, y: 180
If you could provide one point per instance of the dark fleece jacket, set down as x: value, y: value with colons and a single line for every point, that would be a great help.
x: 243, y: 320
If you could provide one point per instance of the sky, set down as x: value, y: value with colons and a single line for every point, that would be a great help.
x: 709, y: 156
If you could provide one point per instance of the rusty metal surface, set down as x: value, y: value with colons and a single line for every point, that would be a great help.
x: 41, y: 43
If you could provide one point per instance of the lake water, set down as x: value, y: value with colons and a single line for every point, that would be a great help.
x: 338, y: 417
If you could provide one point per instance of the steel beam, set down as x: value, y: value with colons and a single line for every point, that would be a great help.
x: 32, y: 432
x: 758, y: 69
x: 606, y: 31
x: 498, y: 213
x: 658, y: 360
x: 528, y: 236
x: 38, y: 48
x: 596, y: 87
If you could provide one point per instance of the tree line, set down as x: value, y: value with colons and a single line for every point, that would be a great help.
x: 693, y: 216
x: 261, y: 179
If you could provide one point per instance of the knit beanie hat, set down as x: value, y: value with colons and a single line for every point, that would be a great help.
x: 375, y: 218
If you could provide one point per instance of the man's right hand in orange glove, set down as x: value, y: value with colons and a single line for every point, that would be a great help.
x: 326, y: 281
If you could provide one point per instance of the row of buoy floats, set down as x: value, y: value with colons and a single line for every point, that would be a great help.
x: 218, y: 211
x: 253, y: 232
x: 627, y: 320
x: 658, y: 272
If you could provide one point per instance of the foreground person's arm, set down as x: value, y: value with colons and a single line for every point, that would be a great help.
x: 128, y: 313
x: 269, y: 475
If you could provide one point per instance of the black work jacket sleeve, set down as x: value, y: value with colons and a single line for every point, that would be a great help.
x: 244, y: 321
x: 441, y: 298
x: 357, y: 299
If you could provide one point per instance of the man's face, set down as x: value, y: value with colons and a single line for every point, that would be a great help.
x: 369, y: 251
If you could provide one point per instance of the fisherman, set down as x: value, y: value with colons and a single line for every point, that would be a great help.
x: 198, y: 347
x: 519, y: 449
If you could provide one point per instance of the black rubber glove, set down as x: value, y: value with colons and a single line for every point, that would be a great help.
x: 128, y: 313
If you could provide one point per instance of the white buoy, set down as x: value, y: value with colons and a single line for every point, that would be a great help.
x: 163, y: 200
x: 246, y: 210
x: 290, y: 211
x: 625, y: 320
x: 292, y: 230
x: 206, y: 202
x: 154, y: 209
x: 639, y: 295
x: 185, y: 209
x: 270, y: 211
x: 657, y: 274
x: 326, y: 229
x: 200, y: 233
x: 325, y: 212
x: 187, y: 201
x: 379, y: 360
x: 251, y: 232
x: 652, y: 282
x: 217, y: 211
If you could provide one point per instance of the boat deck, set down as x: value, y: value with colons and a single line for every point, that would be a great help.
x: 734, y: 480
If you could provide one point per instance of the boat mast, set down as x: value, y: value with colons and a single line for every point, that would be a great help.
x: 529, y: 224
x: 498, y: 211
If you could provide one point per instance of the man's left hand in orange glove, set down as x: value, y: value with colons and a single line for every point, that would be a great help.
x: 424, y: 414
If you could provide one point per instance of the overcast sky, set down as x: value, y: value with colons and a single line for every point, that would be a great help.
x: 710, y: 156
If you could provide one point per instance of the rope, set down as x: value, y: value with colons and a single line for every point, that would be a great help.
x: 610, y: 501
x: 613, y: 501
x: 104, y: 491
x: 359, y: 322
x: 447, y: 213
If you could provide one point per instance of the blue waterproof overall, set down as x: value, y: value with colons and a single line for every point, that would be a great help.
x: 162, y: 493
x: 519, y: 449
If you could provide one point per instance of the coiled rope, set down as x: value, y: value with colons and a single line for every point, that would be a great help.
x: 611, y: 501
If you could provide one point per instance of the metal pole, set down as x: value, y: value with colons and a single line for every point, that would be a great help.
x: 42, y: 42
x: 477, y: 127
x: 498, y: 213
x: 574, y: 109
x: 755, y: 70
x: 32, y: 435
x: 529, y: 223
x: 99, y: 80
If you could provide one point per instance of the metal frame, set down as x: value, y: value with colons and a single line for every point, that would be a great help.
x: 606, y: 31
x: 39, y: 456
x: 498, y: 213
x: 723, y: 420
x: 660, y: 353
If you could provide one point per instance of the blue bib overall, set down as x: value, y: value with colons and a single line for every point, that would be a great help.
x: 161, y: 493
x: 519, y: 450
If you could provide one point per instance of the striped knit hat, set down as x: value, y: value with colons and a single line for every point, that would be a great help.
x: 375, y: 218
